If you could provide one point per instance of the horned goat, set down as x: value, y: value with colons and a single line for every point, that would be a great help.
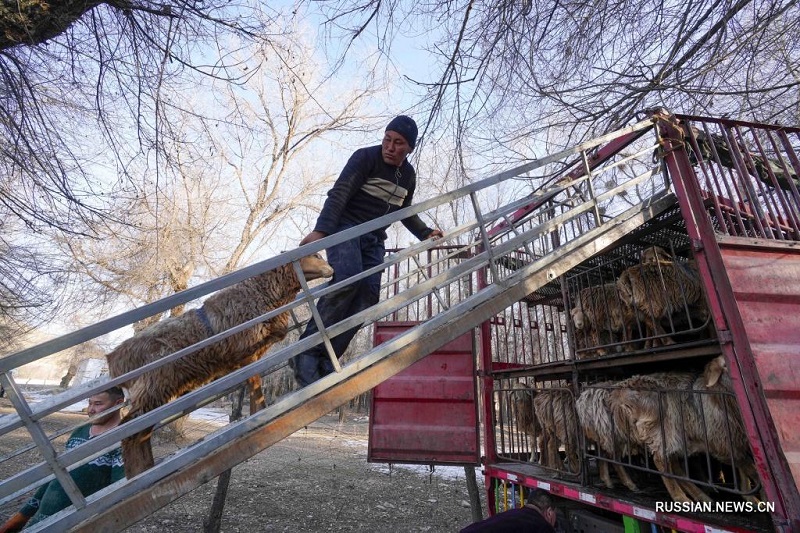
x: 658, y: 288
x: 555, y: 411
x: 223, y: 310
x: 675, y: 415
x: 594, y: 413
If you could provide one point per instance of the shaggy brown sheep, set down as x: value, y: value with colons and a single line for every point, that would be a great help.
x: 522, y: 404
x: 555, y: 411
x: 658, y: 288
x: 594, y: 413
x: 599, y: 315
x: 223, y: 310
x: 676, y: 414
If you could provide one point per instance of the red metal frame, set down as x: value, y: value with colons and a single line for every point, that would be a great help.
x: 600, y: 500
x: 595, y: 159
x: 486, y: 367
x: 776, y: 476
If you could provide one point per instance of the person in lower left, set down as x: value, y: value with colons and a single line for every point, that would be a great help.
x: 538, y: 515
x: 90, y: 477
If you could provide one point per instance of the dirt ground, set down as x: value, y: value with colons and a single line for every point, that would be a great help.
x: 316, y: 480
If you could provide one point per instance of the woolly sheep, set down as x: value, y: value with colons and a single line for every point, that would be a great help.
x: 594, y: 413
x: 660, y: 287
x: 555, y: 411
x: 728, y: 442
x: 600, y: 313
x: 663, y: 413
x: 223, y: 310
x: 522, y: 404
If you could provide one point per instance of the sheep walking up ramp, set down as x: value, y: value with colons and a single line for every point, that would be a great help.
x: 586, y: 199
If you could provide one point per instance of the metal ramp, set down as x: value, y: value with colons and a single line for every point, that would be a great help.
x: 585, y: 199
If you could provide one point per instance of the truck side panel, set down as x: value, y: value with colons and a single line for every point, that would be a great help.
x: 766, y: 285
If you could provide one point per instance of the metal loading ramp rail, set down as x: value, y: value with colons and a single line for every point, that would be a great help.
x: 585, y: 199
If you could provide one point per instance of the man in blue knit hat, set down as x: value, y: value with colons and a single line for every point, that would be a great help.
x: 376, y: 181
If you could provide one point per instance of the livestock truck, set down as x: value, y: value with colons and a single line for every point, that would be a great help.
x: 711, y: 274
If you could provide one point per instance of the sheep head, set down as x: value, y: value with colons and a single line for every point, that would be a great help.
x: 578, y: 318
x: 654, y: 254
x: 315, y: 267
x: 714, y: 370
x: 522, y: 393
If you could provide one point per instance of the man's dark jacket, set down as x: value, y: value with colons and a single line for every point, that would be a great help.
x: 368, y: 188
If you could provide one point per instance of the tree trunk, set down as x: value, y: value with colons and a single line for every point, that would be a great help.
x: 474, y: 495
x: 214, y: 521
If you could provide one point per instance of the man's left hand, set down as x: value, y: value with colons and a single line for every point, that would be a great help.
x: 436, y: 234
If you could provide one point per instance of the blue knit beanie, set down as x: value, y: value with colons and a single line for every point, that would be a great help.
x: 406, y: 127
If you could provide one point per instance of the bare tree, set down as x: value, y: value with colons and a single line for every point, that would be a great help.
x: 236, y: 186
x: 558, y: 71
x: 274, y: 151
x: 30, y: 287
x: 60, y: 60
x: 79, y: 80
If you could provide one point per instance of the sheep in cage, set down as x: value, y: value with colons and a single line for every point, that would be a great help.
x: 554, y: 408
x: 594, y: 414
x: 660, y: 287
x: 675, y: 415
x: 522, y: 405
x: 601, y: 316
x: 728, y: 441
x: 223, y: 310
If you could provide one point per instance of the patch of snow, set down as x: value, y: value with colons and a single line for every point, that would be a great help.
x: 450, y: 473
x: 211, y: 415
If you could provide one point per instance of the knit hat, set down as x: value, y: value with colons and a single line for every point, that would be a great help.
x: 406, y: 127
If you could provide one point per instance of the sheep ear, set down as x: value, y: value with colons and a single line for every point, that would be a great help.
x: 714, y: 371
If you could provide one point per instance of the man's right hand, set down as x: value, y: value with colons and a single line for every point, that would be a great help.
x: 311, y: 237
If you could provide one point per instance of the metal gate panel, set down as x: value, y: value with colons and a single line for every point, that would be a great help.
x: 426, y: 414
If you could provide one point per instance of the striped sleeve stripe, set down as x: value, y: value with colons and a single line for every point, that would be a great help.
x: 385, y: 190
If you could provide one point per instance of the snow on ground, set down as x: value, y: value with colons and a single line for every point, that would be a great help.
x: 211, y: 415
x: 452, y: 473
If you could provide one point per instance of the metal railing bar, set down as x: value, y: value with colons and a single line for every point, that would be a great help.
x: 111, y: 324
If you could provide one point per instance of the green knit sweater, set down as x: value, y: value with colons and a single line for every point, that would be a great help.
x: 89, y: 477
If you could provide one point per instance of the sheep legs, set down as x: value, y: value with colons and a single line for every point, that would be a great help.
x: 678, y: 489
x: 137, y: 453
x: 625, y: 478
x: 552, y: 456
x: 257, y: 401
x: 689, y: 488
x: 673, y: 487
x: 137, y: 450
x: 749, y: 479
x: 621, y: 472
x: 602, y: 468
x: 573, y: 461
x: 660, y: 337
